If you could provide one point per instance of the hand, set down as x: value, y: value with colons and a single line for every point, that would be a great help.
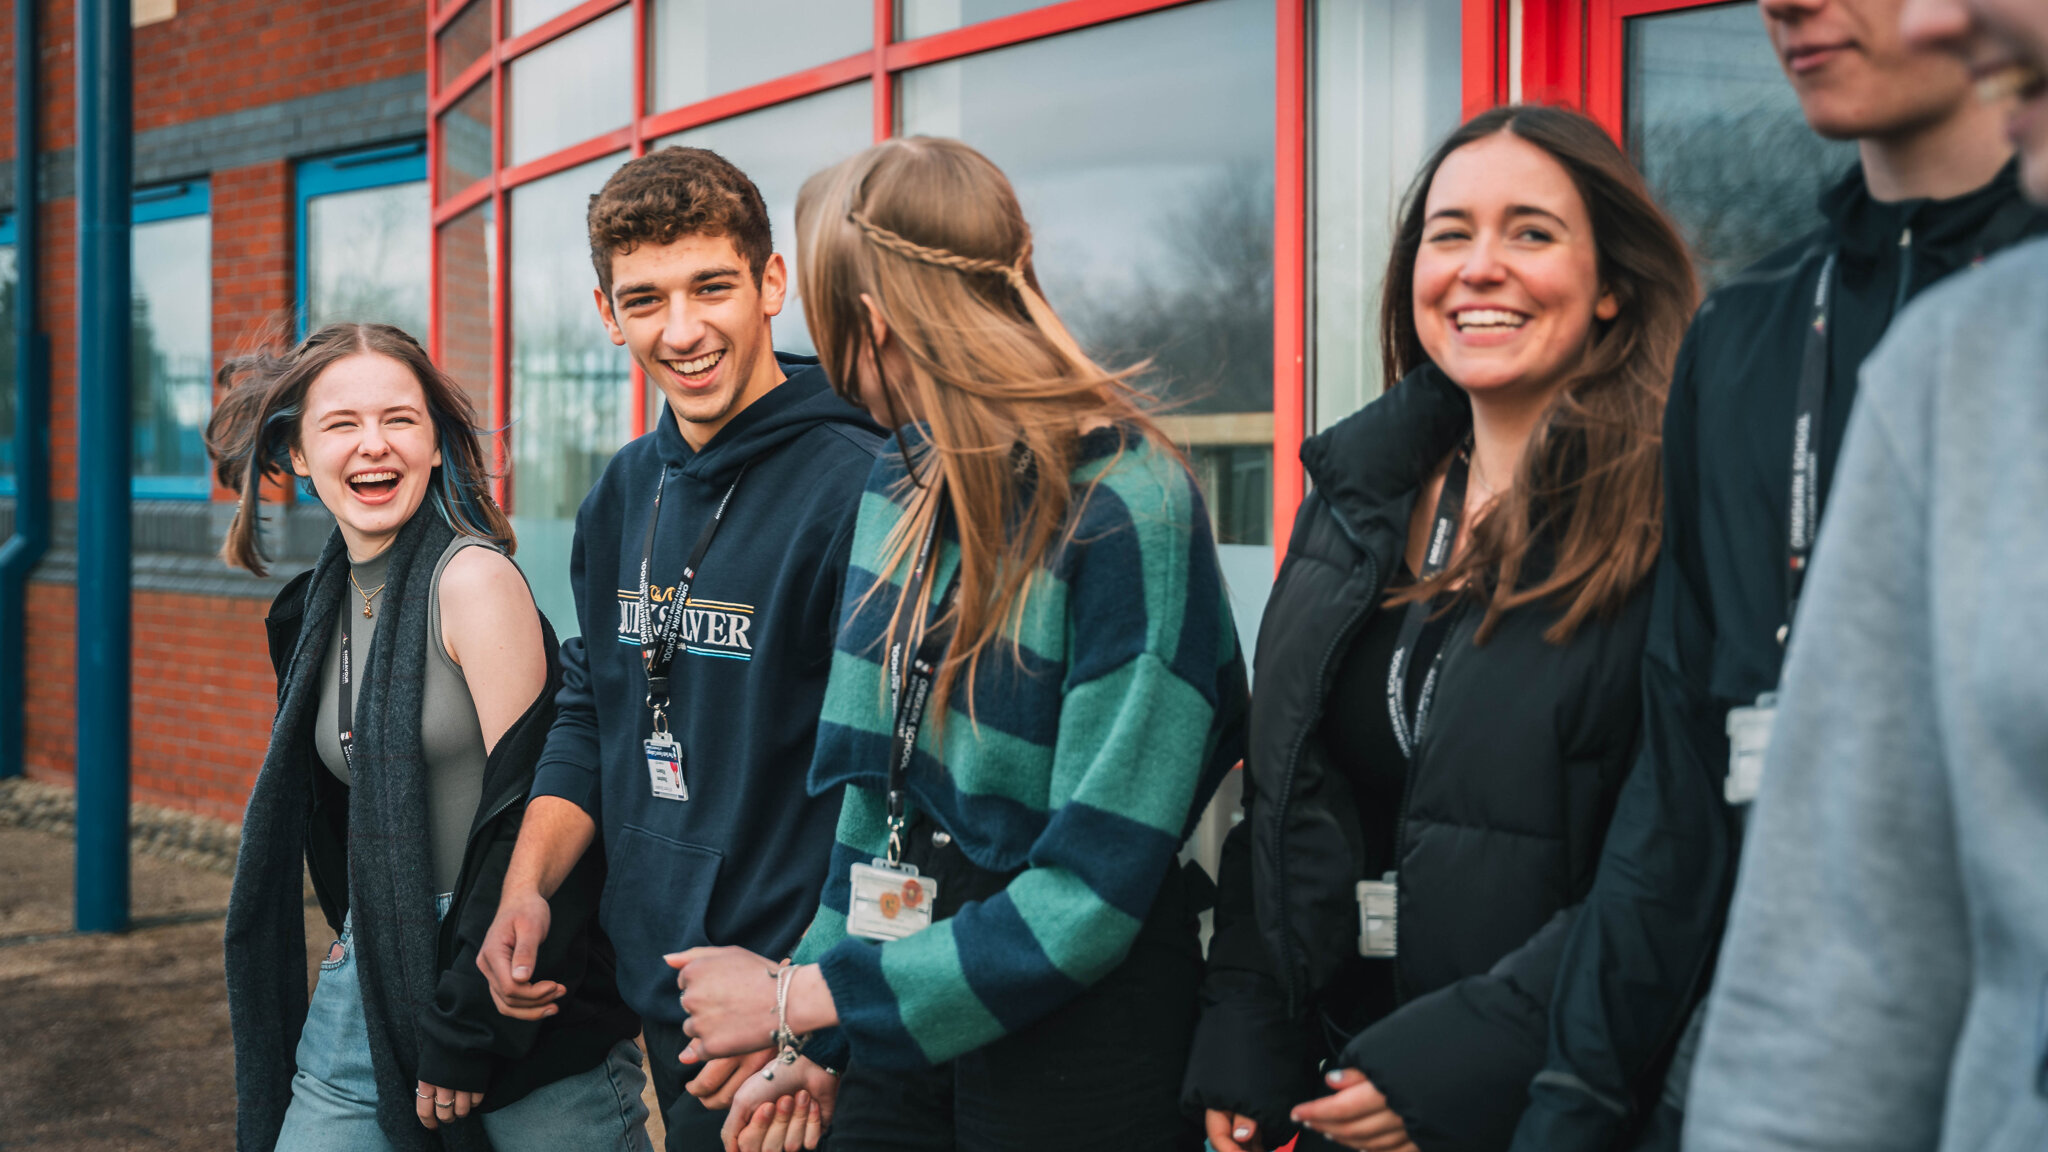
x: 1230, y: 1132
x: 1355, y: 1115
x: 507, y: 957
x: 718, y: 1081
x: 803, y: 1076
x: 729, y: 994
x: 438, y: 1106
x: 789, y: 1124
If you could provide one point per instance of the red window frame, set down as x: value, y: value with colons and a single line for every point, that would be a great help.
x: 879, y: 65
x: 1606, y: 45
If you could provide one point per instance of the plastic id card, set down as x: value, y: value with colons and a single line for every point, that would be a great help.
x: 1376, y: 916
x: 1749, y: 737
x: 889, y: 903
x: 665, y: 768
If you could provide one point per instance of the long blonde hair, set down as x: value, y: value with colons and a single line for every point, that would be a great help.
x: 930, y: 231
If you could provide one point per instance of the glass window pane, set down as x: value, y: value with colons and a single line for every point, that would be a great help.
x: 571, y: 395
x: 1143, y: 154
x: 924, y: 17
x: 364, y: 259
x: 779, y: 148
x: 571, y: 89
x: 7, y: 361
x: 523, y: 16
x: 1386, y: 91
x: 697, y: 49
x: 172, y: 378
x: 469, y: 286
x: 1717, y: 131
x: 465, y: 41
x: 465, y: 141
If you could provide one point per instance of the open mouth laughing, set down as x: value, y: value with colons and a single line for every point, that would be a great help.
x: 374, y: 486
x: 1487, y: 321
x: 694, y: 370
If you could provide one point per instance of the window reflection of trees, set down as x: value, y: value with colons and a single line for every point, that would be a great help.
x: 1740, y: 183
x: 572, y: 395
x: 1198, y: 310
x: 367, y: 264
x: 172, y: 396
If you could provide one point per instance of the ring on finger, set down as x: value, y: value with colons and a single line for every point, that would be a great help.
x: 423, y: 1095
x: 444, y: 1103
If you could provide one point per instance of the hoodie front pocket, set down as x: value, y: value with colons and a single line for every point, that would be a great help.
x: 656, y: 891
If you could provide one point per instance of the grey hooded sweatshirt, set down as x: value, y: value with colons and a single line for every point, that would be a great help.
x: 1885, y: 979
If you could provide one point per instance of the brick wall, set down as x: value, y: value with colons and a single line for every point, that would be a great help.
x: 202, y: 686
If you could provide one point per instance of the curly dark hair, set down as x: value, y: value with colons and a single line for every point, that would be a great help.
x: 677, y: 192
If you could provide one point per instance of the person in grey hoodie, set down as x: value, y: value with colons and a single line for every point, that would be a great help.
x: 1885, y: 980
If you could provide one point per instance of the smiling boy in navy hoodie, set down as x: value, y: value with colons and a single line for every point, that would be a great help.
x: 707, y: 568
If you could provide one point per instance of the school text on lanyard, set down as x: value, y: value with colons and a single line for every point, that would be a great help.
x: 661, y: 641
x: 1378, y: 899
x: 889, y: 899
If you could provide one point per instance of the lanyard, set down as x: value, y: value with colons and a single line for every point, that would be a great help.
x: 910, y: 686
x: 659, y: 643
x: 1812, y: 400
x: 1443, y: 535
x: 345, y: 707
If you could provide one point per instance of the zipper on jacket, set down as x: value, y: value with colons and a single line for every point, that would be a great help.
x: 1905, y: 273
x: 1296, y: 997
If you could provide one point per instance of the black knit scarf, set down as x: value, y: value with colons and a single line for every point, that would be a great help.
x: 391, y: 893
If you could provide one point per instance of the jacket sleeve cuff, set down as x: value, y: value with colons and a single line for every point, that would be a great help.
x: 1249, y: 1056
x: 567, y: 779
x: 459, y: 1069
x: 828, y: 1049
x: 868, y: 1018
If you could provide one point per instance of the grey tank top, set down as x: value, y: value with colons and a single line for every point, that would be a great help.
x: 451, y: 736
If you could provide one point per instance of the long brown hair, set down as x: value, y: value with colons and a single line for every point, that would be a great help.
x: 930, y: 231
x: 255, y: 426
x: 1589, y: 488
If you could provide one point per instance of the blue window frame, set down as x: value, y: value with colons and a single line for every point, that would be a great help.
x: 8, y: 287
x: 364, y: 226
x: 172, y: 333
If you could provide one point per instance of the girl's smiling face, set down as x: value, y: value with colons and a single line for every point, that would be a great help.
x: 368, y: 444
x: 1507, y: 279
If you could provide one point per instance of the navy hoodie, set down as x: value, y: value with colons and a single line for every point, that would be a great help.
x: 743, y: 859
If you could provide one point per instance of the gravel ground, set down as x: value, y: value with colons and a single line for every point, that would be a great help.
x: 111, y: 1043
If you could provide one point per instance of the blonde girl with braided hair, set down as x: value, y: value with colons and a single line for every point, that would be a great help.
x: 1035, y: 689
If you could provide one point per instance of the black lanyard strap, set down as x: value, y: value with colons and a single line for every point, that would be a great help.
x: 660, y: 643
x: 1803, y: 508
x: 1443, y: 538
x: 910, y: 685
x: 345, y: 707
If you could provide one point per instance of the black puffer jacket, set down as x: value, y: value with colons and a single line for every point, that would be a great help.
x: 1507, y: 803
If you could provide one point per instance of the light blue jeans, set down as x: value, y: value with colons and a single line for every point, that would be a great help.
x: 334, y: 1094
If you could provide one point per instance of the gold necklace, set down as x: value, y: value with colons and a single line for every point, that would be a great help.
x: 367, y: 613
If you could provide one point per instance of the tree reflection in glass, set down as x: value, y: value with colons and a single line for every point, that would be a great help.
x: 364, y: 260
x: 171, y: 354
x: 1717, y: 131
x: 571, y: 394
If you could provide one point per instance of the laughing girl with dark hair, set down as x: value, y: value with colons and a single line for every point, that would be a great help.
x: 416, y: 683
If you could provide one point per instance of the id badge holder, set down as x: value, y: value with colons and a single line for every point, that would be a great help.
x: 1377, y: 913
x: 665, y: 767
x: 889, y: 902
x: 1749, y: 738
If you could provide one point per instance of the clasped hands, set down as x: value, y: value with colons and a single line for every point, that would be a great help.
x: 729, y: 995
x: 1354, y: 1114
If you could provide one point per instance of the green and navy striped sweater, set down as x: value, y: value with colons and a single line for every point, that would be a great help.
x: 1085, y: 764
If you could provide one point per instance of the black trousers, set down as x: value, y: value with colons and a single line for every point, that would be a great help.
x: 1104, y: 1071
x: 691, y: 1126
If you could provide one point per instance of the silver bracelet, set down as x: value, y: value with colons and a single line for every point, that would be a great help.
x: 789, y: 1044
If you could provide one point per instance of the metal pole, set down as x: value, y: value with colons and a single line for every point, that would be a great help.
x: 105, y: 125
x: 24, y: 550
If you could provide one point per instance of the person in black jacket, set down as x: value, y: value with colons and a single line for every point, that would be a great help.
x: 1935, y: 193
x: 416, y: 684
x: 1447, y: 685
